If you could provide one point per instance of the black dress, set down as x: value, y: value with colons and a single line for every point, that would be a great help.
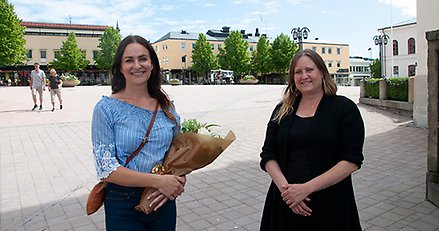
x: 306, y: 148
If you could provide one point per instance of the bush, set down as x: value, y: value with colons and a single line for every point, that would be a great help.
x: 398, y: 88
x: 372, y: 89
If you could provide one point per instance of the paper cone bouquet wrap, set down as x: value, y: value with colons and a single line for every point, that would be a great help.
x: 189, y: 151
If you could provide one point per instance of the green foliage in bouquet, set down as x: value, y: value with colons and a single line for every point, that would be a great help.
x: 192, y: 125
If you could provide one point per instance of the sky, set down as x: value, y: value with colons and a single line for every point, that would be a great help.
x: 353, y: 22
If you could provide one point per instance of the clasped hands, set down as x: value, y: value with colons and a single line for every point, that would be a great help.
x: 295, y: 196
x: 170, y: 188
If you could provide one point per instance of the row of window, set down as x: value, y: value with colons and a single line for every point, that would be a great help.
x: 411, y: 70
x: 183, y: 46
x: 43, y: 53
x: 359, y: 69
x: 329, y: 50
x: 411, y: 46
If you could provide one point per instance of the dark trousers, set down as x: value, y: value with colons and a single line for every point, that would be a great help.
x: 120, y: 213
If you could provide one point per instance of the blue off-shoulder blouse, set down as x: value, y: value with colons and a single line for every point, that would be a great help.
x: 118, y: 128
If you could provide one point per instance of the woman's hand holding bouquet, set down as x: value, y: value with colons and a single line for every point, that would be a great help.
x: 189, y: 151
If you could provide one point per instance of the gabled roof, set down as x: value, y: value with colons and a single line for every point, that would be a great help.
x: 62, y: 26
x: 184, y: 35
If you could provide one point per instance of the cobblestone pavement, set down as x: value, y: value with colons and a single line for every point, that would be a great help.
x: 46, y: 163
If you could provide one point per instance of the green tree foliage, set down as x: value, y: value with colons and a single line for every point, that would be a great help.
x: 375, y: 69
x: 107, y: 44
x: 203, y: 59
x: 282, y: 51
x: 235, y: 55
x: 261, y: 57
x: 12, y: 50
x: 70, y: 57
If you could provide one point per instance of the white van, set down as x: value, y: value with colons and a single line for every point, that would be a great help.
x: 221, y: 76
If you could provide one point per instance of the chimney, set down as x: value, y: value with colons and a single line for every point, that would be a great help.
x: 316, y: 38
x: 225, y: 29
x: 242, y: 31
x: 257, y: 32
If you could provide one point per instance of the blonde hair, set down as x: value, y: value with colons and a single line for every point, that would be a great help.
x: 291, y: 93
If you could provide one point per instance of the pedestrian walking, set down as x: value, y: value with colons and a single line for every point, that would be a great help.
x: 37, y: 85
x: 55, y: 83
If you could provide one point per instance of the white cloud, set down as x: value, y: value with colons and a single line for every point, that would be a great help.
x: 407, y: 7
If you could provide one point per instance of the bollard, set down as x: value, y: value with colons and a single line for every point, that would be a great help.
x: 362, y: 88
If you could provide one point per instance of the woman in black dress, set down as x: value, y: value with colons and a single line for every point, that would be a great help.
x: 314, y: 142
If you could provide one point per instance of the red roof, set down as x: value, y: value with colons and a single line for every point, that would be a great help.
x: 62, y: 26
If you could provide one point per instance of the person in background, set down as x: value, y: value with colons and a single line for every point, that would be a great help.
x: 37, y: 85
x: 119, y: 125
x: 314, y: 142
x: 55, y: 88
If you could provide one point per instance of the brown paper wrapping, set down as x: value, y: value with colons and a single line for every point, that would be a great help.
x: 188, y: 152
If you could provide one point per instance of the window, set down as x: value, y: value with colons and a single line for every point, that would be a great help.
x: 329, y: 64
x: 338, y: 64
x: 163, y: 46
x: 412, y: 70
x: 219, y: 46
x: 323, y: 50
x: 411, y: 45
x: 329, y: 50
x: 314, y: 48
x: 95, y: 54
x: 251, y: 48
x: 338, y: 51
x: 213, y: 46
x: 43, y: 54
x: 396, y: 70
x: 29, y: 54
x: 193, y: 45
x: 183, y: 45
x: 395, y: 47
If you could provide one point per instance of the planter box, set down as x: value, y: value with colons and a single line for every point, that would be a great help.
x: 70, y: 83
x: 248, y: 81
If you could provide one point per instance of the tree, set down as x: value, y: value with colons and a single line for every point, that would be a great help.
x: 107, y: 44
x: 203, y: 59
x: 282, y: 51
x: 235, y: 55
x: 70, y: 57
x: 261, y: 58
x: 375, y: 69
x: 12, y: 50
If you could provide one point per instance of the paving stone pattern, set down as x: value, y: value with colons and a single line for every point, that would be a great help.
x: 47, y: 170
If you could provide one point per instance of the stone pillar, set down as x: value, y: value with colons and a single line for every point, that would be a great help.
x: 362, y: 88
x: 383, y: 89
x: 411, y: 89
x: 432, y: 176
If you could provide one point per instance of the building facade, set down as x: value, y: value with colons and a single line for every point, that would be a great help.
x: 359, y: 69
x: 399, y: 58
x: 174, y: 51
x: 43, y: 40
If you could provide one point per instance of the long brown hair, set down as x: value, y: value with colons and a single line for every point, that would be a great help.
x: 155, y: 90
x: 291, y: 93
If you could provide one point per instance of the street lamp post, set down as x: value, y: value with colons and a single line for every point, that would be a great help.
x: 382, y: 41
x: 299, y: 33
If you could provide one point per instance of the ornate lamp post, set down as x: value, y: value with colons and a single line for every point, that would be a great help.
x: 382, y: 41
x: 299, y: 33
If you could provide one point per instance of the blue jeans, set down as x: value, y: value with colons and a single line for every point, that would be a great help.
x: 120, y: 213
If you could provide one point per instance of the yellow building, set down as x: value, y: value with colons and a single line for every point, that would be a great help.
x: 336, y: 56
x: 43, y: 40
x: 174, y: 51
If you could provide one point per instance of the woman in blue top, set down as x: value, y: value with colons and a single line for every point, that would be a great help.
x: 119, y: 126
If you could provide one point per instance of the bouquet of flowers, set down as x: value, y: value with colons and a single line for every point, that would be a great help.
x: 189, y: 151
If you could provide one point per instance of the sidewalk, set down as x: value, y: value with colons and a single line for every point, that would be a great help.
x: 46, y: 163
